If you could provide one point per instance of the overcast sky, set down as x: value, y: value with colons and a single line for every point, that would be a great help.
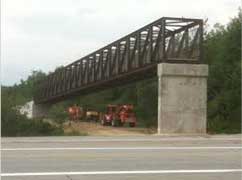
x: 43, y: 34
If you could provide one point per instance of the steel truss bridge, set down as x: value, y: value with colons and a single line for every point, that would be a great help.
x: 133, y: 57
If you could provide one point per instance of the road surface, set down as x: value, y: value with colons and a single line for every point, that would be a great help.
x: 122, y: 158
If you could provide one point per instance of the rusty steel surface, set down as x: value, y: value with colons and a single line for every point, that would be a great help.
x: 131, y: 58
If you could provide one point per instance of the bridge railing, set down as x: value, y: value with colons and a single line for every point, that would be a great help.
x: 172, y: 40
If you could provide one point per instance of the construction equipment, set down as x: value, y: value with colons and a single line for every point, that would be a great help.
x: 118, y: 115
x: 74, y: 112
x: 92, y: 115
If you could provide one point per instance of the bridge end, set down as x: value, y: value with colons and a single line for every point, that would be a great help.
x: 182, y: 98
x: 40, y: 110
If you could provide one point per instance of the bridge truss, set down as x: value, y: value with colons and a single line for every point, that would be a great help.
x: 133, y: 57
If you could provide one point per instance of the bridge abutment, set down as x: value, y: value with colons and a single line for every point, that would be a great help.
x: 182, y: 98
x: 40, y: 110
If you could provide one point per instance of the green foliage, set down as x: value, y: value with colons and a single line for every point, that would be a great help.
x: 23, y: 92
x: 147, y: 92
x: 223, y: 54
x: 15, y: 124
x: 58, y: 113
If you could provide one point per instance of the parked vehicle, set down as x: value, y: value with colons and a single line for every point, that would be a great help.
x: 75, y: 113
x: 92, y: 115
x: 118, y: 115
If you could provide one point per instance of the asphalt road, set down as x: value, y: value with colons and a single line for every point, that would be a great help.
x: 122, y: 158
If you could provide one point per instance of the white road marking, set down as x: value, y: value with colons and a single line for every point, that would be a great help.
x: 121, y: 140
x: 120, y: 148
x: 122, y: 172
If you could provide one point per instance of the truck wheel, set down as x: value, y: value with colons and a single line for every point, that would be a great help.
x: 131, y: 124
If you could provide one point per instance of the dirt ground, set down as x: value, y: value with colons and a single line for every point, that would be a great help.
x: 91, y: 128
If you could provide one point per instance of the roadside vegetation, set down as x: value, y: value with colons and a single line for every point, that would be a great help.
x: 223, y: 54
x: 15, y: 124
x: 222, y: 51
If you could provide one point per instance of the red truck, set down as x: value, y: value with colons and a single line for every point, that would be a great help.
x: 118, y: 115
x: 74, y: 112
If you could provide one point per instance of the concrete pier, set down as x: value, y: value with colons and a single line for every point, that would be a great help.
x: 182, y: 98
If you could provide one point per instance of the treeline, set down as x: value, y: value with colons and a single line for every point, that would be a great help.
x: 223, y: 54
x: 222, y: 51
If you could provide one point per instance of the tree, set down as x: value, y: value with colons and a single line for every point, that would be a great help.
x: 223, y: 54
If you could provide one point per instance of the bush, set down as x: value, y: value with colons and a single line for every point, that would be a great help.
x: 58, y: 113
x: 15, y: 124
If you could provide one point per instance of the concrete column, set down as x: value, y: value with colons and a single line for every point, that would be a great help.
x: 182, y: 98
x: 40, y: 110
